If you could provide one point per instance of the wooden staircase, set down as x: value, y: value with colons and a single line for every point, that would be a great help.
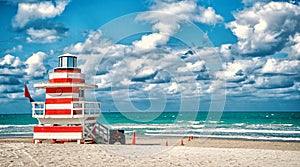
x: 95, y: 132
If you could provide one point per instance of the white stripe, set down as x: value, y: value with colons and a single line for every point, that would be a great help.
x: 62, y: 135
x: 62, y: 95
x: 55, y: 85
x: 59, y: 106
x: 66, y: 75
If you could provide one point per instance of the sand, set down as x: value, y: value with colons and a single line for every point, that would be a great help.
x: 151, y: 152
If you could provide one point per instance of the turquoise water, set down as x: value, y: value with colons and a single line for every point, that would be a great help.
x: 279, y: 126
x: 226, y: 118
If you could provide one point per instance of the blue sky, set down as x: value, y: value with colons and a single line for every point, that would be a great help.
x: 156, y: 55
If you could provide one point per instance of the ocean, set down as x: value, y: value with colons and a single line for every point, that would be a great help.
x: 270, y: 126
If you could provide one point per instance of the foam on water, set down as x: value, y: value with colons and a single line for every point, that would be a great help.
x: 17, y: 126
x: 229, y: 137
x: 283, y: 126
x: 231, y: 131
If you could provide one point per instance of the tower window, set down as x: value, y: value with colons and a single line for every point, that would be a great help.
x: 81, y: 93
x: 74, y: 61
x: 67, y: 61
x: 64, y: 62
x: 60, y: 62
x: 70, y: 62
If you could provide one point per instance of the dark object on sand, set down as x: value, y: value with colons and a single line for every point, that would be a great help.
x: 116, y: 136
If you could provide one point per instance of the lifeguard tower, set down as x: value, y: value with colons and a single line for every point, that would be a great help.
x: 65, y: 115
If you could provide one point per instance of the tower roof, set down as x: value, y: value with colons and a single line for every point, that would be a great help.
x: 67, y: 55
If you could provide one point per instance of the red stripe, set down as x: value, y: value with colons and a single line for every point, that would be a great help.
x: 68, y: 70
x: 60, y: 100
x: 62, y: 90
x: 63, y: 80
x: 54, y: 129
x: 58, y: 112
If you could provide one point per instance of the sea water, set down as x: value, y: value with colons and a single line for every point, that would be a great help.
x: 271, y: 126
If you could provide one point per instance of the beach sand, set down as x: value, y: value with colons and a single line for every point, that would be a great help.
x: 151, y: 152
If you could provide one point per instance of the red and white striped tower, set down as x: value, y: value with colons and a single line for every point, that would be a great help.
x: 65, y: 115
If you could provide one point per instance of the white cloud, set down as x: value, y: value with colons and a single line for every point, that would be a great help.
x: 120, y: 66
x: 95, y: 50
x: 215, y: 86
x: 207, y: 16
x: 194, y: 67
x: 265, y: 28
x: 273, y: 82
x: 145, y: 72
x: 186, y: 10
x: 166, y: 17
x: 28, y: 12
x: 150, y: 42
x: 294, y: 49
x: 173, y: 88
x: 43, y: 35
x: 251, y: 2
x: 120, y: 69
x: 239, y: 70
x: 35, y: 65
x: 17, y: 48
x: 14, y: 72
x: 281, y: 66
x: 11, y: 61
x: 94, y: 44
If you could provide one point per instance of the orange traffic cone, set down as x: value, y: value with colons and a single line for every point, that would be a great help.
x: 53, y: 141
x: 134, y: 138
x: 181, y: 143
x: 167, y: 144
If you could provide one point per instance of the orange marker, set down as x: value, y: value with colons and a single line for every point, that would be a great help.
x: 181, y: 143
x: 134, y: 138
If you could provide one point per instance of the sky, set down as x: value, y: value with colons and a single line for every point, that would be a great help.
x: 156, y: 55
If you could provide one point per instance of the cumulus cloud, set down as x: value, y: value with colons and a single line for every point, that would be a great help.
x: 43, y: 35
x: 166, y: 17
x: 14, y: 72
x: 294, y: 48
x: 150, y: 42
x: 95, y: 50
x: 118, y: 67
x: 273, y: 82
x: 93, y: 44
x: 33, y: 68
x: 35, y: 65
x: 186, y: 10
x: 10, y: 60
x: 173, y: 71
x: 28, y: 12
x: 251, y: 2
x: 10, y: 89
x: 265, y: 28
x: 11, y: 74
x: 275, y: 66
x: 237, y: 70
x: 17, y: 48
